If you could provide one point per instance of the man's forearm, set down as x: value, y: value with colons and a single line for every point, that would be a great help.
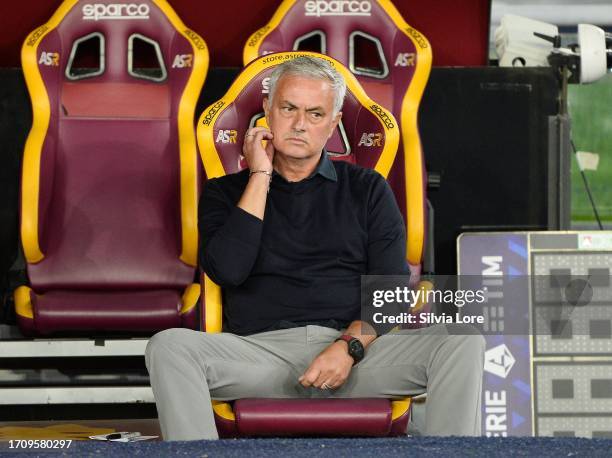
x: 253, y: 199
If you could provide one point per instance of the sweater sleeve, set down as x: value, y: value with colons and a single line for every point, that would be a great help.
x: 230, y: 237
x: 386, y: 232
x: 386, y: 250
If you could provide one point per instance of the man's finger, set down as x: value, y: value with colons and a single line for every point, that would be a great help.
x: 309, y: 377
x: 323, y: 376
x: 255, y: 132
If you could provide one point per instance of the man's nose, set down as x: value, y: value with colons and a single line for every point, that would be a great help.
x: 299, y: 120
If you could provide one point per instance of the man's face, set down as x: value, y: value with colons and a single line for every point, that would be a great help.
x: 301, y: 116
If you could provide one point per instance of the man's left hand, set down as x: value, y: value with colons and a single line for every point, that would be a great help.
x: 330, y: 369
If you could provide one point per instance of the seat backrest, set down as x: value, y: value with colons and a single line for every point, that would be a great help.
x: 392, y: 61
x: 110, y: 171
x: 369, y: 135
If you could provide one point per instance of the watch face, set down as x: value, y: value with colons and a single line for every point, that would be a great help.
x: 356, y: 350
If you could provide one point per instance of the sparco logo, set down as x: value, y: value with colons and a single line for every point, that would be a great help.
x: 382, y: 114
x: 196, y: 39
x: 35, y: 36
x: 337, y: 8
x: 257, y: 35
x: 212, y: 112
x: 101, y: 12
x: 421, y: 41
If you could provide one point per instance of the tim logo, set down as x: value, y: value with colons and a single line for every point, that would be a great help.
x: 183, y: 61
x: 50, y: 59
x: 499, y: 361
x: 320, y: 8
x: 265, y: 85
x: 370, y: 140
x: 405, y: 59
x: 226, y: 136
x: 113, y: 11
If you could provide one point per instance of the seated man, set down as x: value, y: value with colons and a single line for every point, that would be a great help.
x: 288, y: 239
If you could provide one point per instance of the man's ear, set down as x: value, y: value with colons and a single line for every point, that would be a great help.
x: 335, y: 123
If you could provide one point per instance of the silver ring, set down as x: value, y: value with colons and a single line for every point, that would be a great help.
x: 325, y: 386
x: 250, y: 135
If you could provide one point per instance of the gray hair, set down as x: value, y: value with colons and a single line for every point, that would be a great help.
x: 311, y: 67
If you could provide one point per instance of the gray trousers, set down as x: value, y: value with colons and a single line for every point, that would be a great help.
x: 189, y: 368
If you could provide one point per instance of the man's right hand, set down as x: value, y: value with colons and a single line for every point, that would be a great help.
x: 259, y: 159
x: 256, y: 156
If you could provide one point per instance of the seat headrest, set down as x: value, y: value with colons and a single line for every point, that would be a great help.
x: 369, y: 135
x: 370, y: 37
x: 115, y: 42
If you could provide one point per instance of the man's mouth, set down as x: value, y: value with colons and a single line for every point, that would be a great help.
x: 297, y: 140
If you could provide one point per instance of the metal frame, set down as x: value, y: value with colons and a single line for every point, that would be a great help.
x: 43, y: 348
x: 347, y: 144
x: 158, y: 53
x: 361, y: 70
x: 298, y: 40
x: 75, y: 46
x: 74, y: 394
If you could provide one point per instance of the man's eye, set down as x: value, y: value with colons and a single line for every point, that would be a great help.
x: 287, y: 108
x: 314, y: 114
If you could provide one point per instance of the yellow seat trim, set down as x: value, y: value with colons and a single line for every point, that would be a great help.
x: 399, y: 408
x: 190, y: 298
x: 251, y: 48
x: 41, y: 114
x: 23, y: 302
x: 423, y: 286
x: 210, y: 157
x: 224, y: 410
x: 213, y: 308
x: 413, y: 157
x: 187, y: 141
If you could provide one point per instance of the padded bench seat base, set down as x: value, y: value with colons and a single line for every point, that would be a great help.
x: 311, y: 417
x: 140, y: 311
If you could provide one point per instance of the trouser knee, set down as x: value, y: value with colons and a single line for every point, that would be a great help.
x: 164, y: 345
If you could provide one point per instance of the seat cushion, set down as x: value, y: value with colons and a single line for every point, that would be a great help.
x: 145, y: 311
x: 313, y: 417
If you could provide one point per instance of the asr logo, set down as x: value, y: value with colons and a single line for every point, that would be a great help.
x: 50, y: 59
x: 183, y: 61
x: 370, y: 139
x: 226, y: 136
x: 405, y: 59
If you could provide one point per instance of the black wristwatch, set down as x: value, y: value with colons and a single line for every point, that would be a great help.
x: 355, y: 347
